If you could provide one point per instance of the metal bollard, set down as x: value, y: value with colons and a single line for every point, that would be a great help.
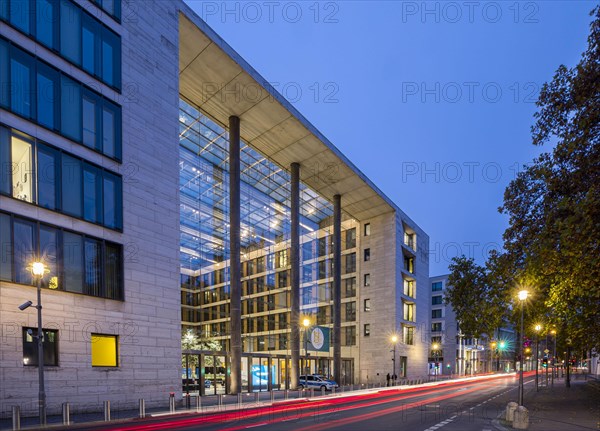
x: 333, y: 390
x: 312, y: 392
x: 198, y: 403
x: 286, y: 394
x: 322, y: 391
x: 256, y: 397
x: 142, y: 408
x: 239, y: 399
x: 220, y: 400
x: 188, y: 400
x: 66, y: 413
x: 106, y: 411
x: 272, y: 395
x: 172, y: 402
x: 16, y: 418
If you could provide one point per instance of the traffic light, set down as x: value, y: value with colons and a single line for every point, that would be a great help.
x: 545, y: 362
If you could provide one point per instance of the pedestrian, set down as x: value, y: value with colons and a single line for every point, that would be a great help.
x: 395, y: 377
x: 387, y: 378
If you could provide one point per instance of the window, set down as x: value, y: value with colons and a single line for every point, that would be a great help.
x: 367, y: 329
x: 436, y: 314
x: 30, y: 347
x: 70, y: 97
x: 22, y: 169
x: 350, y: 311
x: 409, y: 264
x: 112, y: 7
x: 436, y: 287
x: 90, y: 35
x: 47, y: 96
x: 408, y: 335
x: 436, y: 327
x: 47, y: 172
x: 367, y: 228
x: 4, y: 67
x: 92, y: 194
x: 367, y: 280
x: 436, y: 300
x: 20, y: 12
x: 409, y: 311
x: 71, y: 183
x: 349, y: 337
x: 21, y: 79
x: 73, y: 262
x: 24, y: 250
x: 49, y: 255
x: 436, y: 340
x: 409, y: 288
x: 90, y: 117
x: 350, y: 238
x: 104, y: 350
x: 46, y: 19
x: 350, y: 290
x: 367, y: 254
x: 350, y: 263
x: 92, y: 262
x: 367, y: 305
x: 70, y: 31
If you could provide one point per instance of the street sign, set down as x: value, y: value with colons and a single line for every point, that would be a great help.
x: 546, y: 351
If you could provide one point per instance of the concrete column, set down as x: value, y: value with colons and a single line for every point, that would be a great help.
x: 295, y: 275
x: 337, y: 288
x: 235, y: 269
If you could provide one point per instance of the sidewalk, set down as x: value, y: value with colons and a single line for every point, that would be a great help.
x: 558, y: 408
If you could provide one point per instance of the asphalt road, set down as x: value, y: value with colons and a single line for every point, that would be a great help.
x: 450, y: 406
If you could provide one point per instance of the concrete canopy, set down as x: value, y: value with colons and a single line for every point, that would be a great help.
x: 217, y: 80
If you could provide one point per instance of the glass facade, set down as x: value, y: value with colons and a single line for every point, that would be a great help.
x: 64, y: 27
x: 265, y: 241
x: 38, y: 92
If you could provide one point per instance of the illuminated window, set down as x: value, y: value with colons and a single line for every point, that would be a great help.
x: 367, y: 280
x: 30, y: 347
x: 367, y: 329
x: 367, y: 229
x: 104, y: 350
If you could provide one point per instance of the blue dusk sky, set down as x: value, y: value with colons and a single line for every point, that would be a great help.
x: 432, y: 100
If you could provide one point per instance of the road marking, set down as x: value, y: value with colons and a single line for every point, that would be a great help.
x: 257, y: 425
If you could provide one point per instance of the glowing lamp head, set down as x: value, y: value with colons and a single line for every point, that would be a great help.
x: 306, y: 323
x: 394, y: 338
x: 435, y: 346
x: 502, y: 344
x: 523, y: 295
x: 538, y: 327
x: 38, y: 269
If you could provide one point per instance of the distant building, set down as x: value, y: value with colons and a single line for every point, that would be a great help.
x: 458, y: 354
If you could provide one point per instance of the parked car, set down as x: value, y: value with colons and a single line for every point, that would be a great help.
x: 317, y: 381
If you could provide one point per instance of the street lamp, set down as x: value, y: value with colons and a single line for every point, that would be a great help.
x: 394, y: 341
x: 522, y: 297
x: 38, y: 269
x: 538, y: 327
x: 306, y: 324
x: 435, y: 347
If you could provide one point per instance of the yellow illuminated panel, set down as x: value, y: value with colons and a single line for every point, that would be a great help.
x: 104, y: 350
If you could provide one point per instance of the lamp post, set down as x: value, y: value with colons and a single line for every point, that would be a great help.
x: 435, y: 347
x: 494, y: 351
x: 38, y: 269
x: 568, y: 362
x: 537, y: 341
x: 500, y: 348
x: 522, y: 297
x: 394, y: 341
x: 306, y: 324
x: 553, y: 332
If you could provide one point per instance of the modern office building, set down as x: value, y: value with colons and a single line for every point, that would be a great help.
x: 166, y: 186
x: 451, y: 352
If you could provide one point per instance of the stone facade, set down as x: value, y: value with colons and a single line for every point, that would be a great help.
x: 148, y: 320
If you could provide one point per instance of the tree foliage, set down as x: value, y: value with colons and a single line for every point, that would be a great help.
x: 553, y: 205
x: 477, y: 305
x: 191, y: 341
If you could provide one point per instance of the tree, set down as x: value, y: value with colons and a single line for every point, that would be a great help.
x: 478, y: 307
x: 554, y: 204
x: 191, y: 341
